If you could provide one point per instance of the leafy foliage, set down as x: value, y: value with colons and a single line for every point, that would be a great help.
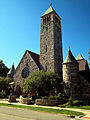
x: 60, y: 96
x: 4, y: 83
x: 72, y: 102
x: 77, y: 102
x: 40, y: 83
x: 3, y: 69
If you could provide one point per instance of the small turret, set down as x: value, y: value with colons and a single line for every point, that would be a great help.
x: 70, y: 58
x: 70, y: 74
x: 11, y: 72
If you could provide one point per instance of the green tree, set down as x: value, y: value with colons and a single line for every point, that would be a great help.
x: 40, y: 83
x: 3, y: 69
x: 4, y: 84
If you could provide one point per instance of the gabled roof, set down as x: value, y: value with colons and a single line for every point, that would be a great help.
x: 34, y: 56
x: 69, y: 58
x: 79, y: 57
x: 12, y: 70
x: 83, y: 65
x: 49, y: 10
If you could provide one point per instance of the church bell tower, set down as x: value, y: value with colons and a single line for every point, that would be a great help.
x: 51, y: 41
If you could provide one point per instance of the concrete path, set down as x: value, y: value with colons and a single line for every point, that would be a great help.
x: 86, y: 112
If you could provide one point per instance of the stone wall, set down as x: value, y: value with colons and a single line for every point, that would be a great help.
x: 58, y: 55
x: 85, y: 90
x: 25, y: 100
x: 47, y: 40
x: 26, y: 66
x: 74, y: 84
x: 51, y: 43
x: 47, y: 102
x: 12, y: 98
x: 71, y: 79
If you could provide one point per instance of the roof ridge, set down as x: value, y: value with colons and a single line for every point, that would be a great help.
x: 32, y: 52
x: 34, y: 56
x: 23, y: 57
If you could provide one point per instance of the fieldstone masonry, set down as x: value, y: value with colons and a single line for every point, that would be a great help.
x: 51, y: 58
x: 26, y: 66
x: 70, y: 78
x: 50, y: 50
x: 51, y: 43
x: 74, y: 84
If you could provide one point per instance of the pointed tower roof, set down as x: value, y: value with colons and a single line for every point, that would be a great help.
x: 49, y: 10
x: 69, y: 58
x: 12, y: 70
x: 79, y: 57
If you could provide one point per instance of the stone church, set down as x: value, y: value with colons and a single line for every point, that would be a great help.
x: 74, y: 71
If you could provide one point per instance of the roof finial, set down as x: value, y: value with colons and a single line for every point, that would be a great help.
x: 50, y: 4
x: 69, y: 47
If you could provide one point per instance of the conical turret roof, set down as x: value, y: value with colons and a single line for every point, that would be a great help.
x: 79, y: 57
x: 12, y: 70
x: 69, y: 58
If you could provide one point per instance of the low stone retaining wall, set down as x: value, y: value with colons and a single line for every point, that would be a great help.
x: 12, y: 98
x: 47, y: 102
x: 25, y: 100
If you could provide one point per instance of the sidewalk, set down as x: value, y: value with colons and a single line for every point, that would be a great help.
x: 86, y: 112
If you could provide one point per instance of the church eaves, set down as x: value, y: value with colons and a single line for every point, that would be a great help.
x: 70, y: 58
x: 79, y: 57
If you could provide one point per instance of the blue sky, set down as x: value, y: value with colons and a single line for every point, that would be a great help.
x: 20, y: 27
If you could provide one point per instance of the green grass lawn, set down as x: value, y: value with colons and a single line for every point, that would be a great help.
x: 50, y: 110
x: 80, y: 107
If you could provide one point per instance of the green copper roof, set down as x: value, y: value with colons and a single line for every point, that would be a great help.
x: 49, y: 10
x: 69, y: 58
x: 12, y: 70
x: 79, y: 57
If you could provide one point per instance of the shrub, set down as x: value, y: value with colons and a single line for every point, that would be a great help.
x: 24, y: 96
x: 45, y: 97
x: 52, y: 98
x: 63, y: 106
x: 40, y: 83
x: 55, y: 98
x: 4, y: 86
x: 32, y: 102
x: 77, y: 103
x: 70, y: 101
x: 3, y: 93
x: 74, y: 103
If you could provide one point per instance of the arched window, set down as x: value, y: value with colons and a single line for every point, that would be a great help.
x: 25, y: 72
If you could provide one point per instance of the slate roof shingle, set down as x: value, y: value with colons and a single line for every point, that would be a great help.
x: 83, y: 65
